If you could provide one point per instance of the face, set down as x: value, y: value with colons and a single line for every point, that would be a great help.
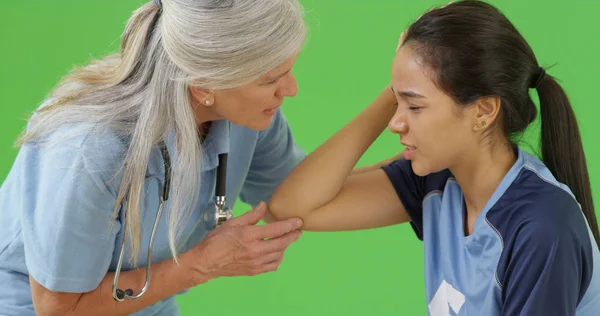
x: 252, y: 105
x: 434, y: 130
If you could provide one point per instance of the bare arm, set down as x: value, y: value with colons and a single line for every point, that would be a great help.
x: 166, y: 279
x: 325, y: 192
x: 268, y: 218
x: 366, y: 200
x: 237, y: 248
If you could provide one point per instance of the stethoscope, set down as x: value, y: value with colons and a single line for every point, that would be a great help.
x: 214, y: 216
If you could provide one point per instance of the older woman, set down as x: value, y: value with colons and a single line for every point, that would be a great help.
x: 194, y: 81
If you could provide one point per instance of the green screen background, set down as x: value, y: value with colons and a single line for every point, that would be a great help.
x: 345, y: 63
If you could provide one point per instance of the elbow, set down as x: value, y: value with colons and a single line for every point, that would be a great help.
x: 48, y: 303
x: 54, y: 308
x: 286, y: 203
x: 269, y: 218
x: 276, y: 210
x: 281, y: 210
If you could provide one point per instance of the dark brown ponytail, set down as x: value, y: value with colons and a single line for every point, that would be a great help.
x: 562, y: 149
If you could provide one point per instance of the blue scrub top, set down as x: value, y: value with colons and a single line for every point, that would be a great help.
x: 57, y: 203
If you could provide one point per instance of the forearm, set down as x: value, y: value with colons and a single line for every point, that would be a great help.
x: 166, y: 279
x: 320, y: 176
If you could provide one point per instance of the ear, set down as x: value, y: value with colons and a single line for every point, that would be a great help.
x: 486, y: 112
x: 202, y: 96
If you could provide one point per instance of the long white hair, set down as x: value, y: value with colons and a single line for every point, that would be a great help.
x: 143, y: 92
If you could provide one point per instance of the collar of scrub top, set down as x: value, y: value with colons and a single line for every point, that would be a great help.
x: 215, y: 143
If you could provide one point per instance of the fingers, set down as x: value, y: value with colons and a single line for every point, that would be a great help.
x: 279, y: 244
x: 265, y: 251
x: 274, y: 262
x: 275, y: 229
x: 266, y: 268
x: 267, y: 255
x: 273, y: 257
x: 272, y: 267
x: 250, y: 218
x: 269, y: 263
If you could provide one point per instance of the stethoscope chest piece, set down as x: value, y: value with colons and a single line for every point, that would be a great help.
x: 217, y: 213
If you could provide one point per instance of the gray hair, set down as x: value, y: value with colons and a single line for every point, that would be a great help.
x: 142, y: 92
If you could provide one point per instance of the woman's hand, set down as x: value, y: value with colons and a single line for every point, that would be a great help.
x: 240, y: 248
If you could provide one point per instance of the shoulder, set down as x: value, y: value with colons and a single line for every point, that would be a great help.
x: 541, y: 227
x: 85, y: 148
x: 537, y: 206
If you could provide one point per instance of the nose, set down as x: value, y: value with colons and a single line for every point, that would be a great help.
x: 398, y: 123
x: 289, y: 87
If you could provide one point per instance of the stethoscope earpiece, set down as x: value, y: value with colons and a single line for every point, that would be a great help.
x: 121, y: 294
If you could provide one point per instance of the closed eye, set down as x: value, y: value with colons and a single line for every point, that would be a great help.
x: 278, y: 77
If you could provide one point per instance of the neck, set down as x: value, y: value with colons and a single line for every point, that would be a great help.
x: 480, y: 173
x: 203, y: 130
x: 204, y: 116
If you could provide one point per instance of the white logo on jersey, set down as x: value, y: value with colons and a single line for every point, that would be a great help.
x: 445, y: 298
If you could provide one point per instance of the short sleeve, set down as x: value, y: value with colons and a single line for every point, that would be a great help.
x: 548, y: 269
x: 275, y: 156
x: 412, y: 189
x: 67, y: 217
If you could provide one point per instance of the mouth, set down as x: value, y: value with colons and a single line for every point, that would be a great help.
x: 409, y: 151
x: 271, y: 111
x: 409, y: 147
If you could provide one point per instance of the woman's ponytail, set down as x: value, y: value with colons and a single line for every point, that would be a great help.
x: 562, y: 148
x: 137, y: 32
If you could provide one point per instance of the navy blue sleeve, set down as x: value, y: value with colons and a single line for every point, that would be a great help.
x: 547, y: 263
x: 412, y: 189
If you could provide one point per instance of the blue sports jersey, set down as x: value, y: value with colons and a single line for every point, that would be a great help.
x: 531, y: 252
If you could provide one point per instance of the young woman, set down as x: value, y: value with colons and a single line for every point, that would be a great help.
x: 504, y: 232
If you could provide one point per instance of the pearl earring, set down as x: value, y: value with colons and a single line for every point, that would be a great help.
x: 207, y: 102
